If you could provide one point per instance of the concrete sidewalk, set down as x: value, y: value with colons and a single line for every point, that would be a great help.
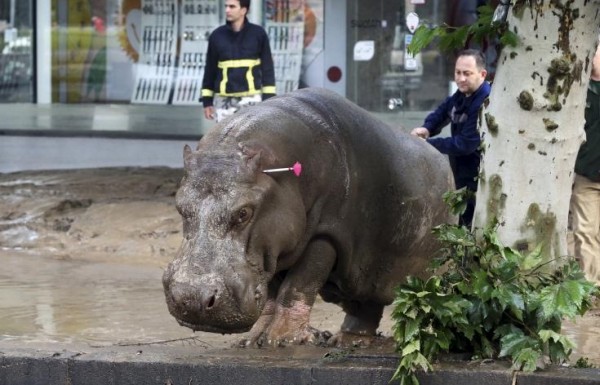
x: 64, y: 364
x: 68, y: 136
x: 124, y: 121
x: 131, y: 121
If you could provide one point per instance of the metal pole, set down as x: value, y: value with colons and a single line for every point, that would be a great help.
x: 12, y: 13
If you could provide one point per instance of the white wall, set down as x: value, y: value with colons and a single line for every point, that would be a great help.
x: 44, y: 51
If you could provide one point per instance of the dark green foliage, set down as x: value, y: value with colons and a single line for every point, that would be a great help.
x: 451, y: 38
x: 457, y: 200
x: 491, y: 302
x: 584, y: 363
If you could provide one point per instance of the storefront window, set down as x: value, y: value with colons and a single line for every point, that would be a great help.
x: 94, y: 47
x: 153, y: 51
x: 383, y: 77
x: 16, y: 44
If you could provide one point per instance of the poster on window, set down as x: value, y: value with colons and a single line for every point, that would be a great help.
x: 155, y: 69
x: 284, y: 23
x: 79, y: 61
x: 198, y: 19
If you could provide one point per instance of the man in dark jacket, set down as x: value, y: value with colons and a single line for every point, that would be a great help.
x: 239, y: 66
x: 461, y: 111
x: 585, y: 201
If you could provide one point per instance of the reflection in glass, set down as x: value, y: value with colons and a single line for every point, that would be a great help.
x: 16, y: 69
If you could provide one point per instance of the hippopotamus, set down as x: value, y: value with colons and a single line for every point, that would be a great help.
x: 258, y: 247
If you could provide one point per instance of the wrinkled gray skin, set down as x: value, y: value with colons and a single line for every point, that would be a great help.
x: 259, y: 247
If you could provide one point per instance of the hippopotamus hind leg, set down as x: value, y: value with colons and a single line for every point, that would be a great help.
x: 360, y: 324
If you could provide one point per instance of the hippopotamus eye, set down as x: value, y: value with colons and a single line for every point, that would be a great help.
x: 241, y: 216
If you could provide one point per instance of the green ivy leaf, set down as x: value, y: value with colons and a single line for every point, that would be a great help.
x: 442, y: 339
x: 456, y: 199
x: 412, y: 347
x: 533, y: 260
x: 547, y: 335
x: 409, y: 380
x: 454, y: 235
x: 516, y: 341
x: 491, y: 238
x: 481, y: 285
x: 526, y: 359
x: 433, y: 284
x: 559, y: 351
x: 509, y: 298
x: 564, y: 298
x: 487, y: 348
x: 451, y: 308
x: 456, y: 39
x: 422, y: 38
x: 559, y: 346
x: 509, y: 39
x: 421, y: 361
x: 411, y: 328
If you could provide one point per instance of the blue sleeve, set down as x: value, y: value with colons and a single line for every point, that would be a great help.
x: 438, y: 119
x: 465, y: 140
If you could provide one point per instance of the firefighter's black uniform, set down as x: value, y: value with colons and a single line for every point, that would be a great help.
x: 238, y: 63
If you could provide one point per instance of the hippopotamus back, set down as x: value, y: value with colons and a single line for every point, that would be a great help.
x: 351, y: 226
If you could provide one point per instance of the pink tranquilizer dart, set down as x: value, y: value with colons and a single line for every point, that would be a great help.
x: 296, y: 168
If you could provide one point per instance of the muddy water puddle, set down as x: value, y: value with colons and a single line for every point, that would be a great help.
x: 585, y: 332
x: 53, y: 300
x: 50, y: 300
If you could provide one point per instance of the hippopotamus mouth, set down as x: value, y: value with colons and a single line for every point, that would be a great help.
x: 212, y: 329
x: 237, y: 321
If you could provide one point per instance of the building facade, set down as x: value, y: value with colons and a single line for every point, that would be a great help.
x: 151, y: 52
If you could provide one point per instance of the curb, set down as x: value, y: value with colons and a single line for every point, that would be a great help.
x: 193, y: 365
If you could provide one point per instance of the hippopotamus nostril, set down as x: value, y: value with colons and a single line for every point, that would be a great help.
x: 211, y: 301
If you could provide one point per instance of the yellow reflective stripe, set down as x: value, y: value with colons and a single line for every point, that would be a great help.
x: 242, y: 63
x: 268, y: 90
x: 207, y: 92
x: 250, y: 80
x: 223, y: 85
x: 239, y: 63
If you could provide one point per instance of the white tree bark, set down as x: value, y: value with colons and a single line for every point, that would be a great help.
x: 533, y: 125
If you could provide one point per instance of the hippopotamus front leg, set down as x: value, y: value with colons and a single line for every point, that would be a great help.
x: 286, y: 317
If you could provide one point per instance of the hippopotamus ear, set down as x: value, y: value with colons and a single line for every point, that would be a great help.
x: 256, y: 156
x: 188, y: 159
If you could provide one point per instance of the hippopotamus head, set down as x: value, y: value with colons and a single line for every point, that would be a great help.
x: 239, y: 224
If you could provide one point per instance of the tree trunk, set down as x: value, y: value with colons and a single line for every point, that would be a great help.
x: 533, y: 125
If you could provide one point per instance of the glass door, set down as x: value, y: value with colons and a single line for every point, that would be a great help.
x: 16, y: 57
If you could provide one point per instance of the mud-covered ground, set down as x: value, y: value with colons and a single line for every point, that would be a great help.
x: 121, y: 214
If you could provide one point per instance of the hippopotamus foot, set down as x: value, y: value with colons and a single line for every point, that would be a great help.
x: 254, y: 336
x: 284, y: 325
x: 360, y: 325
x: 348, y: 340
